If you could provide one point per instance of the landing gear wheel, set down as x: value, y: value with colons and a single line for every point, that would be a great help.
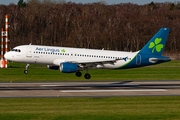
x: 25, y: 71
x: 87, y: 76
x: 78, y: 74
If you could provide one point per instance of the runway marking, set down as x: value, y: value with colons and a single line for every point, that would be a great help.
x: 50, y: 85
x: 142, y: 90
x: 89, y: 85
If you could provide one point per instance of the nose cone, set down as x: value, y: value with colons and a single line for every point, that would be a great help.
x: 7, y: 56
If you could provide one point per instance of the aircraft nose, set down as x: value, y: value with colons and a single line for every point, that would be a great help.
x: 6, y: 55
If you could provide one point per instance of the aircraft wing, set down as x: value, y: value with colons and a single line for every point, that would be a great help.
x: 87, y: 63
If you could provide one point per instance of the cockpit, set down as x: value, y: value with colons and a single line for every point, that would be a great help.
x: 16, y: 50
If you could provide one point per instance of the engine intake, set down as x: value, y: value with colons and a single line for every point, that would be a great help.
x: 68, y: 67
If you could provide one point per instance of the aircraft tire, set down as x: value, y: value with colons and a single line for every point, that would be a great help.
x: 78, y: 74
x: 87, y: 76
x: 25, y: 71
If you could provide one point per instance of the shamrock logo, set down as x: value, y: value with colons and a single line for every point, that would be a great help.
x: 156, y: 45
x: 63, y: 50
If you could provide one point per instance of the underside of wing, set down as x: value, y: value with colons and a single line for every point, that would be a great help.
x: 87, y: 63
x: 94, y: 63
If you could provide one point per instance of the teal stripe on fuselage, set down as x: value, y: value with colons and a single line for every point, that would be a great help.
x: 130, y: 64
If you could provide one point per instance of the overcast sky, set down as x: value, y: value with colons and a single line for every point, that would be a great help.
x: 7, y: 2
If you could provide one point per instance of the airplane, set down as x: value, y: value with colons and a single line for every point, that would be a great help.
x: 75, y: 60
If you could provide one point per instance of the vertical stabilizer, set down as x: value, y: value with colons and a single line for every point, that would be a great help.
x: 157, y: 43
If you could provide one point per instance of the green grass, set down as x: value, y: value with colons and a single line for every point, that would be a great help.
x: 113, y: 108
x: 39, y: 73
x: 126, y: 108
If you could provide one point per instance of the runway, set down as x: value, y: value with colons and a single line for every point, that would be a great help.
x: 90, y: 89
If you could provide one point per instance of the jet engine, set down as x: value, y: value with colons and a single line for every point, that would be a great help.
x: 66, y: 67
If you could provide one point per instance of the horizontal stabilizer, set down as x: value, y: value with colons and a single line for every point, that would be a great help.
x: 155, y: 60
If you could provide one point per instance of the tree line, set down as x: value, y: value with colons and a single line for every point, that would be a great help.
x: 123, y: 27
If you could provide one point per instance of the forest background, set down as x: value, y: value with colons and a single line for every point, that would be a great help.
x: 121, y: 27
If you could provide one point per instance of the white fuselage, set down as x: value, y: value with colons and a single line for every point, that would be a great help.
x: 50, y: 55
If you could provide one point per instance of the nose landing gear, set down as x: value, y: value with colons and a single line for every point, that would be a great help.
x: 26, y: 70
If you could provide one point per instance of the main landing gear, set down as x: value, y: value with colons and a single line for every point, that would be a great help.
x: 26, y: 70
x: 78, y: 74
x: 87, y: 75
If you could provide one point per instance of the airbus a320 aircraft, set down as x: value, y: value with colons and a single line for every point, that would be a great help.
x: 74, y: 60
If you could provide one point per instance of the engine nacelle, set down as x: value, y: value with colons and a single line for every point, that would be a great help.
x: 53, y: 67
x: 68, y: 67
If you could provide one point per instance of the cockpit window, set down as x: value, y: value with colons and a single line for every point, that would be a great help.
x: 16, y: 50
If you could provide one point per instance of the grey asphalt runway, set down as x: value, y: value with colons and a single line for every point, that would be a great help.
x: 90, y: 89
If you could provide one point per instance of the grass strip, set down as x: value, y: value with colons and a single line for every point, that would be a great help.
x: 126, y: 108
x: 40, y: 73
